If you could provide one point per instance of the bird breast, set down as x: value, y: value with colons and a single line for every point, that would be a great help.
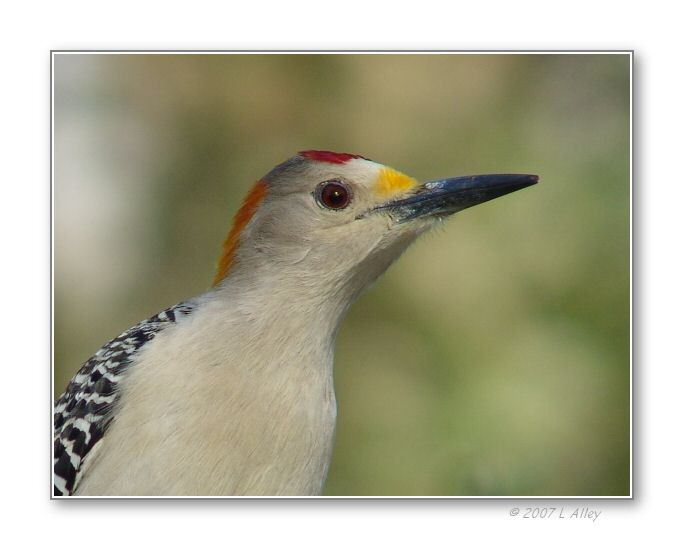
x: 240, y: 414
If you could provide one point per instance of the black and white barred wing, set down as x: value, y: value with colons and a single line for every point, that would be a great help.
x: 86, y: 408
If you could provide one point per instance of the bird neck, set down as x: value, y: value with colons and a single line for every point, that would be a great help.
x: 285, y: 309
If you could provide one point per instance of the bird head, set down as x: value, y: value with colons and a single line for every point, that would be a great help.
x: 331, y: 223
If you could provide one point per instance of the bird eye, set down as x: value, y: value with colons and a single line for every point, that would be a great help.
x: 333, y: 194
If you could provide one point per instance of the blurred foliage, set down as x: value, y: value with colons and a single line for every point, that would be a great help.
x: 493, y: 358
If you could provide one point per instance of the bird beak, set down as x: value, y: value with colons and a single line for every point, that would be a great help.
x: 448, y: 196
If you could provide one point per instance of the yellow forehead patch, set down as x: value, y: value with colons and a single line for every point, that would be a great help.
x: 391, y: 182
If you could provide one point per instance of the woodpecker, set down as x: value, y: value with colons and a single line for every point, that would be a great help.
x: 231, y: 392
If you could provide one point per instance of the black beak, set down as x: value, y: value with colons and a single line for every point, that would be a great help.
x: 448, y: 196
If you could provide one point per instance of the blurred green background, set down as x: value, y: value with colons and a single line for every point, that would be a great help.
x: 493, y: 357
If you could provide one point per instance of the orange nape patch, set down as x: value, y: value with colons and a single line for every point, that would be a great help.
x: 242, y: 217
x: 390, y: 182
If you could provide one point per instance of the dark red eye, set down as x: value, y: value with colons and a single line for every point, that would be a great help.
x: 334, y: 195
